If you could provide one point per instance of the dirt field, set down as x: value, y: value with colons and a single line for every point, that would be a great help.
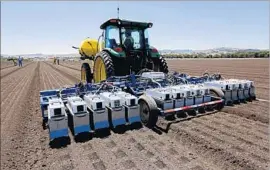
x: 236, y: 138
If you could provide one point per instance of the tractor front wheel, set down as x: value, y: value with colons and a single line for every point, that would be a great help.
x: 86, y: 75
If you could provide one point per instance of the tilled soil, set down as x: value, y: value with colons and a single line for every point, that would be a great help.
x: 235, y: 138
x: 6, y: 64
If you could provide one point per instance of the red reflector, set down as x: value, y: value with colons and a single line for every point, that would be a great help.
x: 154, y: 50
x: 118, y: 49
x: 186, y: 107
x: 113, y: 20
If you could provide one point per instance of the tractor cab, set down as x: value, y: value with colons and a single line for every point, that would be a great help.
x: 124, y: 35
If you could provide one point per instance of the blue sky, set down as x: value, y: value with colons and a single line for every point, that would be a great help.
x: 53, y: 27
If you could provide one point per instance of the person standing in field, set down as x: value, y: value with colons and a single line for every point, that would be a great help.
x: 20, y: 59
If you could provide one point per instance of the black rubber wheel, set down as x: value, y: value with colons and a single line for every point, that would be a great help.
x: 86, y: 74
x: 106, y: 58
x: 161, y: 65
x: 148, y: 111
x: 44, y: 124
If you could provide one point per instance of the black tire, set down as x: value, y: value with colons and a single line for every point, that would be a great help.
x: 148, y: 111
x: 107, y: 59
x: 161, y: 65
x: 44, y: 124
x: 85, y: 67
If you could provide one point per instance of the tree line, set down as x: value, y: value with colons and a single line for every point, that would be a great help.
x: 260, y: 54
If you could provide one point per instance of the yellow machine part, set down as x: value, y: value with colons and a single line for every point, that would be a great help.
x: 89, y: 47
x: 83, y: 75
x: 101, y: 45
x: 99, y: 70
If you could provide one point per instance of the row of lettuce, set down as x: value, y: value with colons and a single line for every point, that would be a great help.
x: 260, y: 54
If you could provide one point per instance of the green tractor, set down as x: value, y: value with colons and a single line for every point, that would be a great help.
x: 122, y: 49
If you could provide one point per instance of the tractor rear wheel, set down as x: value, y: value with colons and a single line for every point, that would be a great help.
x: 160, y: 65
x: 86, y: 75
x: 103, y: 67
x: 148, y: 111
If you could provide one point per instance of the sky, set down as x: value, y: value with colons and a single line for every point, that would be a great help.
x: 53, y: 27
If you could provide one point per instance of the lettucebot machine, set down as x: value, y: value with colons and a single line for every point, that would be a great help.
x: 141, y: 98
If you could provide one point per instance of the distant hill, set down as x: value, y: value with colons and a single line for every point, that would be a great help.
x: 208, y: 51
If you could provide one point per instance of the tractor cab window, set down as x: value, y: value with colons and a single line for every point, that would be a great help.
x: 112, y: 37
x: 147, y: 41
x: 132, y: 38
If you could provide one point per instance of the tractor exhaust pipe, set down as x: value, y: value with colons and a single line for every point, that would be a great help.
x: 75, y: 47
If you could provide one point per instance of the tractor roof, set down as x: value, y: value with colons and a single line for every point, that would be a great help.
x: 126, y: 23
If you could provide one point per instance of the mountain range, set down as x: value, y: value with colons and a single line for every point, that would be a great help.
x: 208, y: 51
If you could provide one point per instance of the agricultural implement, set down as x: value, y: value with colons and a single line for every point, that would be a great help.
x: 141, y: 98
x: 231, y: 90
x: 131, y: 84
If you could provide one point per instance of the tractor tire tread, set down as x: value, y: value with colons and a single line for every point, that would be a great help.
x: 163, y: 66
x: 88, y: 73
x: 108, y: 63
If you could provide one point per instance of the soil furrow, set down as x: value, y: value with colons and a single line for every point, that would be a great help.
x: 74, y: 79
x: 211, y: 148
x: 239, y: 127
x: 73, y: 68
x: 13, y: 134
x: 18, y: 92
x: 2, y: 68
x: 231, y: 137
x: 215, y: 141
x: 249, y: 114
x: 15, y: 70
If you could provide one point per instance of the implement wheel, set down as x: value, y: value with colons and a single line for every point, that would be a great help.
x: 86, y: 75
x: 216, y: 92
x: 103, y: 67
x: 148, y: 111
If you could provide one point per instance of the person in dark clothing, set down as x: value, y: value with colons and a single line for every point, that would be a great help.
x: 20, y: 59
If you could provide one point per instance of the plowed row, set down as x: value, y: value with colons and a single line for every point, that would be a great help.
x: 236, y: 138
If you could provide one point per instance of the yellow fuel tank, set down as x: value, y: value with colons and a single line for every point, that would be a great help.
x: 89, y: 47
